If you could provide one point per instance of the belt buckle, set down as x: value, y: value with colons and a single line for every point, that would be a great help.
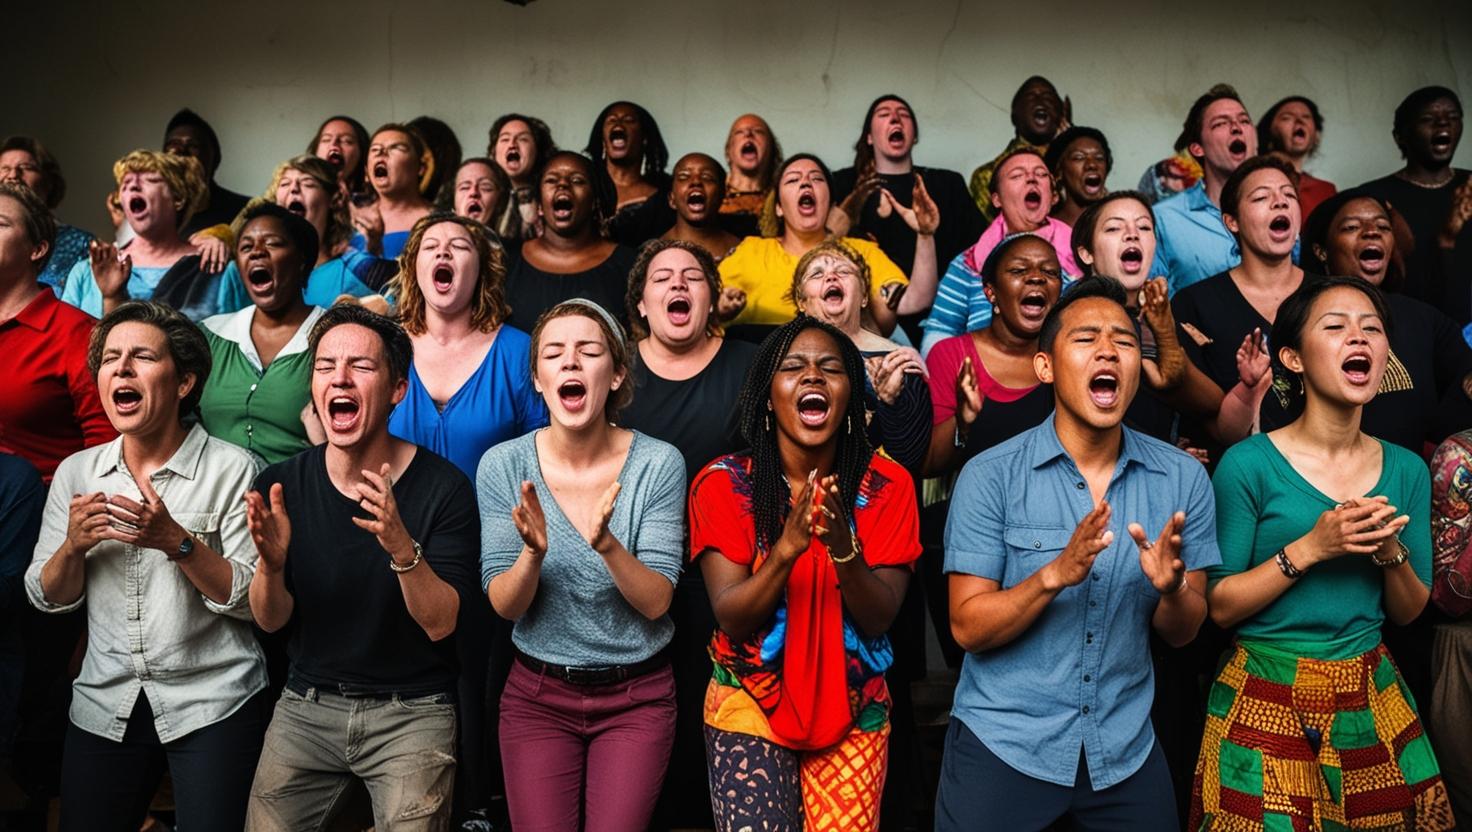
x: 586, y: 676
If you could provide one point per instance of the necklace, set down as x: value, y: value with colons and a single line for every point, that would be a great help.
x: 1451, y: 174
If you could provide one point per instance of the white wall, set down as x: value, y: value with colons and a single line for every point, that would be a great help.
x: 96, y: 80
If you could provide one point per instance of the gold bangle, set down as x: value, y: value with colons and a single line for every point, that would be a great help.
x: 853, y: 552
x: 1400, y: 557
x: 418, y: 556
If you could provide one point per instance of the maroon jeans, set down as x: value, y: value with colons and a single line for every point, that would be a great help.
x: 582, y: 757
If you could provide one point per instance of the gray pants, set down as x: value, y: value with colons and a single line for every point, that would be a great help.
x: 402, y: 750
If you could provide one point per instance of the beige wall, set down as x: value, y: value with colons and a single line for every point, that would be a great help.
x: 96, y: 80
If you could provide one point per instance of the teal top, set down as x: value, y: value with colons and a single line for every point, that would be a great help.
x: 350, y: 273
x: 258, y: 410
x: 1335, y: 610
x: 81, y: 287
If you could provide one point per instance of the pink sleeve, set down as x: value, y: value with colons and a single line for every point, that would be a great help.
x: 944, y: 362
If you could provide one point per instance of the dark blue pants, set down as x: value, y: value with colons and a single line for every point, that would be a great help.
x: 978, y: 791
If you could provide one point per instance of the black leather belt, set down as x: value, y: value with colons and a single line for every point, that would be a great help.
x: 596, y: 676
x: 303, y: 688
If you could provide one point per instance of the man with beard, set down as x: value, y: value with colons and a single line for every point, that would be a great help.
x: 1039, y: 114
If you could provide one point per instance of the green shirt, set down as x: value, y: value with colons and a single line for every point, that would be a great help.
x: 1335, y: 610
x: 260, y: 411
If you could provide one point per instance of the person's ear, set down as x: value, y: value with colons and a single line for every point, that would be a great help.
x: 990, y: 291
x: 1083, y: 256
x: 1231, y: 223
x: 996, y: 200
x: 1320, y: 253
x: 401, y: 389
x: 186, y: 384
x: 1042, y: 364
x: 1196, y: 150
x: 39, y: 252
x: 1289, y: 358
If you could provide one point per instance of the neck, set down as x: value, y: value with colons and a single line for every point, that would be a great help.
x: 1267, y: 271
x: 1214, y: 180
x: 443, y: 328
x: 686, y: 230
x: 625, y: 171
x: 797, y: 241
x: 1091, y: 448
x: 576, y: 240
x: 406, y: 200
x: 145, y: 453
x: 1296, y: 161
x: 580, y: 448
x: 656, y: 351
x: 1331, y: 426
x: 742, y: 181
x: 884, y: 165
x: 17, y: 294
x: 345, y: 465
x: 1001, y: 336
x: 1018, y: 225
x: 797, y: 460
x: 1426, y: 173
x: 1068, y: 211
x: 289, y: 316
x: 156, y: 243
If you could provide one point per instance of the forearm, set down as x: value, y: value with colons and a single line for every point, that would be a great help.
x: 64, y: 576
x: 1236, y: 598
x: 885, y: 319
x: 871, y: 602
x: 743, y: 607
x: 1178, y: 616
x: 210, y: 573
x: 434, y: 604
x: 1234, y: 419
x: 942, y: 453
x: 1195, y: 395
x: 646, y: 590
x: 988, y: 620
x: 270, y: 602
x: 111, y: 303
x: 1405, y: 595
x: 512, y: 591
x: 924, y: 277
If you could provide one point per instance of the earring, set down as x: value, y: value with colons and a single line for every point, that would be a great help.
x: 769, y: 422
x: 848, y: 425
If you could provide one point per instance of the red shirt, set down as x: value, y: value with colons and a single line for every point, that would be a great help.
x: 49, y: 407
x: 1312, y: 191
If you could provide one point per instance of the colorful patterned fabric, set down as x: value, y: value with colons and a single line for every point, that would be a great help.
x: 808, y: 677
x: 1451, y: 525
x: 1297, y: 744
x: 757, y: 784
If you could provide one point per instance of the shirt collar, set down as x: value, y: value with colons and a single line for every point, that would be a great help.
x: 1197, y: 200
x: 38, y: 313
x: 1046, y: 448
x: 184, y: 462
x: 235, y: 328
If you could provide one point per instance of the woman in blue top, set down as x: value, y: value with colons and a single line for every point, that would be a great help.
x: 307, y: 186
x: 470, y: 388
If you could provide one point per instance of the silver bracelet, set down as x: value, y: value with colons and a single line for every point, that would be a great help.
x: 418, y: 556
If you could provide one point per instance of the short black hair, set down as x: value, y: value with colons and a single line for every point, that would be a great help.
x: 1293, y: 312
x: 1088, y: 223
x: 187, y: 346
x: 1265, y: 141
x: 1231, y: 197
x: 1089, y: 287
x: 398, y: 350
x: 188, y: 118
x: 1191, y: 129
x: 1059, y: 146
x: 605, y: 193
x: 303, y: 235
x: 1411, y: 106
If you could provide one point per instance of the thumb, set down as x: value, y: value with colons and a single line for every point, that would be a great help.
x: 278, y: 499
x: 1138, y: 533
x: 145, y: 486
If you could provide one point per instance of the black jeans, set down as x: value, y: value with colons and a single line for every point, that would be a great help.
x: 107, y: 785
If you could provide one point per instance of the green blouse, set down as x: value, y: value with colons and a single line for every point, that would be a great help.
x: 259, y: 410
x: 1335, y: 610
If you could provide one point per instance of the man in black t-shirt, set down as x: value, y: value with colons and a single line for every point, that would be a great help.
x: 368, y: 548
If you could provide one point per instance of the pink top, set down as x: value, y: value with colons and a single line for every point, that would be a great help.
x: 944, y: 362
x: 1057, y: 232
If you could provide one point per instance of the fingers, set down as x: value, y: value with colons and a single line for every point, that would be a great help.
x: 1138, y: 533
x: 605, y: 505
x: 530, y: 499
x: 374, y: 527
x: 278, y: 499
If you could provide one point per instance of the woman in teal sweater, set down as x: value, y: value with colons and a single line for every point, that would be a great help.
x: 1324, y: 533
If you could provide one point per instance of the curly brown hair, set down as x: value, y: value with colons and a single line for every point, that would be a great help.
x: 488, y: 308
x: 829, y: 248
x: 639, y: 275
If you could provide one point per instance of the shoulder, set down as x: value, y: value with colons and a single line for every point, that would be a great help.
x: 1005, y: 460
x: 507, y: 456
x: 656, y: 457
x: 731, y: 472
x: 883, y: 474
x: 440, y: 473
x: 1403, y: 463
x: 1164, y: 456
x: 1243, y: 458
x: 222, y: 458
x: 1215, y: 286
x: 293, y: 469
x: 736, y: 351
x: 514, y: 340
x: 750, y: 247
x: 621, y: 259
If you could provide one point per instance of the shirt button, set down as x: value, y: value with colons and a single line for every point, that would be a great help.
x: 253, y: 388
x: 1037, y: 544
x: 1086, y: 709
x: 1079, y: 486
x: 1088, y: 678
x: 1095, y: 576
x: 1093, y: 603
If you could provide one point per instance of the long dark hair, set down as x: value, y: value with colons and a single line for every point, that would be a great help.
x: 656, y: 155
x: 863, y: 150
x: 771, y: 495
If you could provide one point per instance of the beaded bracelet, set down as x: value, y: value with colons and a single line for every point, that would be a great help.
x: 1293, y: 572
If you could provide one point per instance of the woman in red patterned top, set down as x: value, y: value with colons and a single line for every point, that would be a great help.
x: 806, y: 544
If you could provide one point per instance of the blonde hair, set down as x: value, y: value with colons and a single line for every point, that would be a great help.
x: 828, y: 248
x: 182, y: 174
x: 339, y: 224
x: 488, y: 308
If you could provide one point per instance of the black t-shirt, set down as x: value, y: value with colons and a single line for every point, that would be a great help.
x: 350, y: 624
x: 1421, y: 398
x: 961, y: 223
x: 700, y: 416
x: 637, y: 224
x: 531, y: 291
x: 1000, y: 421
x: 1425, y: 210
x: 223, y: 206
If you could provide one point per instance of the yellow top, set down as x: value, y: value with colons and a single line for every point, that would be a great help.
x: 763, y: 269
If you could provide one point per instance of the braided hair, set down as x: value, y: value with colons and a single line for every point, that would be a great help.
x: 656, y: 155
x: 771, y: 494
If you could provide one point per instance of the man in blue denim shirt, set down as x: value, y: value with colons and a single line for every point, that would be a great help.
x: 1055, y: 607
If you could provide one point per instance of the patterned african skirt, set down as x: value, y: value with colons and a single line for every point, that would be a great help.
x: 1296, y: 744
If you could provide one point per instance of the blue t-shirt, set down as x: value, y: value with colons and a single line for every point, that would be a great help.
x: 81, y: 287
x: 339, y: 276
x: 1080, y: 675
x: 71, y: 246
x: 497, y: 403
x: 393, y: 243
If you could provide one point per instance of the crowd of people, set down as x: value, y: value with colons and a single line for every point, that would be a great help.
x: 559, y: 489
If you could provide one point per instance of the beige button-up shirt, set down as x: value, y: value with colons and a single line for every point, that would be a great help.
x: 149, y: 628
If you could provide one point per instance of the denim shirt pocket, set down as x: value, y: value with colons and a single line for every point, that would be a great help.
x: 1030, y: 548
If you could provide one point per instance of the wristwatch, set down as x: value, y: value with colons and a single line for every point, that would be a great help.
x: 186, y: 548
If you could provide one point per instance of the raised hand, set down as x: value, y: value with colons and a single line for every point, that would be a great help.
x: 270, y: 528
x: 828, y: 521
x: 1160, y: 559
x: 376, y: 496
x: 968, y: 395
x: 110, y: 270
x: 887, y: 372
x: 923, y: 216
x: 1254, y: 365
x: 797, y: 531
x: 87, y: 521
x: 845, y: 214
x: 601, y: 539
x: 530, y: 522
x: 369, y: 222
x: 1090, y: 537
x: 1457, y: 217
x: 1355, y: 527
x: 1169, y: 367
x: 731, y: 302
x: 213, y: 252
x: 147, y: 524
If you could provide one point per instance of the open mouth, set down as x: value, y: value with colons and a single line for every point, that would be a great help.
x: 259, y: 277
x: 474, y: 209
x: 812, y: 409
x: 1237, y: 147
x: 1357, y: 369
x: 296, y: 206
x: 1104, y: 389
x: 443, y: 278
x: 1372, y: 258
x: 334, y: 158
x: 1041, y: 117
x: 695, y: 201
x: 807, y: 203
x: 1033, y: 199
x: 380, y: 170
x: 833, y: 294
x: 678, y: 310
x: 126, y: 400
x: 1093, y: 182
x: 562, y: 207
x: 897, y: 137
x: 618, y: 138
x: 343, y: 412
x: 1132, y: 260
x: 748, y: 152
x: 1280, y: 225
x: 1441, y: 142
x: 513, y: 156
x: 1033, y: 305
x: 573, y: 394
x: 1299, y: 133
x: 137, y: 205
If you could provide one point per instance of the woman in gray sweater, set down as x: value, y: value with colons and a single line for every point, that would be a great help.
x: 582, y: 528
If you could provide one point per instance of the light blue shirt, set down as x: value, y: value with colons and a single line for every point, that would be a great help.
x: 1191, y: 241
x: 81, y: 287
x: 326, y: 283
x: 1080, y: 675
